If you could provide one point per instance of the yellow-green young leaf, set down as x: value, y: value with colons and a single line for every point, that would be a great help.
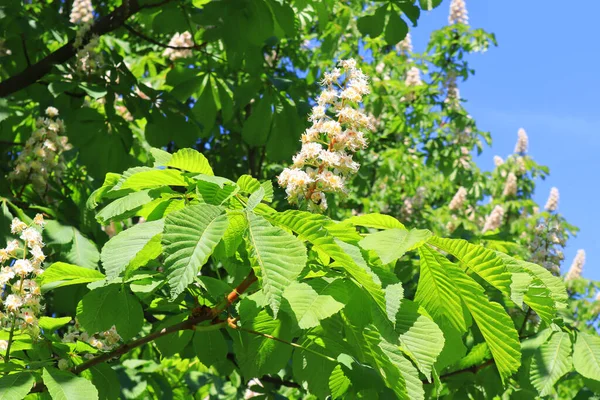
x: 550, y: 362
x: 480, y: 260
x: 110, y: 305
x: 392, y: 244
x: 437, y: 294
x: 121, y: 249
x: 494, y: 323
x: 313, y: 301
x: 190, y: 160
x: 414, y: 385
x: 154, y: 178
x: 377, y: 221
x: 49, y: 324
x: 338, y: 382
x: 249, y: 185
x: 478, y: 354
x: 63, y: 274
x: 189, y: 238
x: 110, y: 180
x: 214, y: 190
x: 586, y: 355
x: 64, y: 385
x: 160, y: 156
x: 393, y: 377
x: 277, y: 256
x: 16, y: 386
x: 393, y: 297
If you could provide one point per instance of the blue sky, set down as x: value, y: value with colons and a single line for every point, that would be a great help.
x: 542, y: 77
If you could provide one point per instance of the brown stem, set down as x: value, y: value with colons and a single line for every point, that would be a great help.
x: 156, y: 42
x: 106, y: 24
x: 474, y: 369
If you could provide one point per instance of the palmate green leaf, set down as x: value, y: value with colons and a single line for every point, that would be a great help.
x: 189, y: 238
x: 550, y: 362
x: 249, y: 185
x: 16, y: 386
x: 338, y: 382
x: 420, y: 338
x: 155, y: 178
x: 123, y: 248
x: 64, y: 385
x: 374, y: 220
x: 313, y: 301
x: 127, y: 205
x: 190, y: 160
x: 277, y: 256
x: 392, y: 244
x: 586, y: 355
x: 437, y: 294
x: 494, y: 323
x: 413, y: 383
x: 480, y: 260
x: 214, y: 190
x: 63, y: 274
x: 394, y: 377
x: 110, y: 305
x: 82, y: 251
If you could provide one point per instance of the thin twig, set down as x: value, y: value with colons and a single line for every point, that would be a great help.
x: 156, y: 42
x: 25, y: 50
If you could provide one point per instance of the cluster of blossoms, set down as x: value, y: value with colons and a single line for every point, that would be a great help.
x: 415, y: 202
x: 576, y: 266
x: 88, y: 58
x: 179, y: 40
x: 546, y: 246
x: 494, y: 220
x: 459, y: 199
x: 405, y: 45
x: 522, y: 142
x: 325, y: 159
x: 413, y: 77
x: 498, y: 161
x: 103, y: 341
x: 452, y: 92
x: 552, y: 202
x: 41, y: 156
x: 20, y: 264
x: 82, y: 12
x: 510, y: 187
x: 458, y: 13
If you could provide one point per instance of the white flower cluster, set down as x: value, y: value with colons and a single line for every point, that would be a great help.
x: 20, y: 263
x: 522, y: 142
x: 82, y: 12
x: 179, y: 40
x: 41, y: 157
x: 88, y: 58
x: 405, y: 45
x: 546, y: 246
x: 498, y: 161
x: 576, y: 266
x: 413, y: 77
x: 459, y: 199
x: 494, y: 220
x: 104, y: 341
x: 510, y: 187
x: 325, y: 159
x: 552, y: 202
x: 458, y: 13
x: 452, y: 92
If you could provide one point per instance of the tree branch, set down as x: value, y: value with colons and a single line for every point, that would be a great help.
x: 156, y: 42
x: 104, y: 25
x: 474, y: 369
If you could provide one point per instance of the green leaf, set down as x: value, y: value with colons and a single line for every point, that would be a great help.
x: 480, y: 260
x: 173, y: 343
x: 550, y: 362
x: 314, y: 301
x: 437, y: 294
x: 586, y: 355
x: 277, y: 256
x: 82, y: 251
x: 110, y: 305
x: 396, y: 29
x: 123, y: 248
x: 210, y: 347
x: 63, y: 274
x: 338, y: 382
x: 374, y: 220
x: 372, y: 25
x: 190, y: 160
x: 155, y: 178
x: 258, y: 126
x: 16, y: 386
x: 392, y: 244
x: 255, y: 199
x: 126, y: 204
x: 214, y: 191
x: 50, y: 324
x: 106, y: 381
x: 64, y: 385
x: 429, y: 4
x: 494, y: 323
x: 189, y: 238
x: 393, y: 298
x: 414, y: 386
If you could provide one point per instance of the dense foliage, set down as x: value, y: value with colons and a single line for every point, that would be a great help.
x: 270, y: 199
